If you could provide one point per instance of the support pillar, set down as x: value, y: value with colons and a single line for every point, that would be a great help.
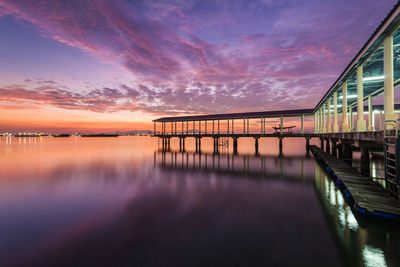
x: 339, y: 150
x: 199, y: 145
x: 316, y: 122
x: 233, y: 127
x: 322, y: 142
x: 351, y: 119
x: 361, y: 123
x: 235, y: 145
x: 248, y: 126
x: 256, y: 145
x: 345, y: 123
x: 323, y: 119
x: 334, y: 147
x: 370, y: 115
x: 302, y: 123
x: 335, y: 121
x: 244, y: 126
x: 281, y: 125
x: 347, y: 153
x: 388, y: 94
x: 154, y: 131
x: 365, y: 169
x: 280, y: 146
x: 328, y: 145
x: 218, y: 126
x: 381, y: 120
x: 307, y: 143
x: 329, y: 128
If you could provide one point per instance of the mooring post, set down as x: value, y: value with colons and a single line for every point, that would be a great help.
x: 307, y: 143
x: 197, y: 143
x: 322, y: 142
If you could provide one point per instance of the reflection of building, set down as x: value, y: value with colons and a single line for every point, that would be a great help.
x: 361, y: 243
x: 294, y: 168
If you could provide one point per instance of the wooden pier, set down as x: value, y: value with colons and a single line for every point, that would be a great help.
x: 366, y: 197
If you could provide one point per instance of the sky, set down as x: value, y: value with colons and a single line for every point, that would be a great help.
x: 103, y: 65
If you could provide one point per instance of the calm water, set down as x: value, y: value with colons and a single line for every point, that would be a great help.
x: 122, y: 202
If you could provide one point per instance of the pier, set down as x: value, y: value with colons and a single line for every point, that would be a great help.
x: 345, y: 119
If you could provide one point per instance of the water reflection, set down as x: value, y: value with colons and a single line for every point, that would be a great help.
x: 362, y: 243
x: 121, y: 202
x: 295, y: 168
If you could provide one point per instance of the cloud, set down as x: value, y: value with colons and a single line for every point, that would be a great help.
x: 201, y: 56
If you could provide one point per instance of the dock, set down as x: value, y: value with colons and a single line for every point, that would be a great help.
x: 367, y: 198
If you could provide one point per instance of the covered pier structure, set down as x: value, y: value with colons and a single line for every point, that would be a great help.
x: 219, y: 126
x: 345, y: 116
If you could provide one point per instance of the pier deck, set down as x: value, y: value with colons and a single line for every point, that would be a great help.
x: 368, y: 198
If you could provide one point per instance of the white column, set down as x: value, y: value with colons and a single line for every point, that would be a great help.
x: 315, y: 121
x: 370, y: 118
x: 345, y: 123
x: 388, y: 93
x: 335, y: 123
x: 302, y: 123
x: 323, y: 119
x: 361, y: 123
x: 329, y: 129
x: 351, y: 119
x: 381, y: 119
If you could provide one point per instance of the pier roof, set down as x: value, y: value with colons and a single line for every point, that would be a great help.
x: 247, y: 115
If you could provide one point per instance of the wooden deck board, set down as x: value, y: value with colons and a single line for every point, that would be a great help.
x: 365, y: 192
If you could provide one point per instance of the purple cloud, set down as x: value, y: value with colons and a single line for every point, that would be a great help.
x: 203, y: 56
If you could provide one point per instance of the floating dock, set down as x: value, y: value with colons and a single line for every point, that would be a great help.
x: 367, y: 198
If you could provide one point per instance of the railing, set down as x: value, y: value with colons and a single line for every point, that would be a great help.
x: 392, y: 154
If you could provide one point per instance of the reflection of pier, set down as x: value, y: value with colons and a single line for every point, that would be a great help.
x: 291, y: 168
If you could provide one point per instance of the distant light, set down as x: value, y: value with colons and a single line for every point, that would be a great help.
x: 349, y: 96
x: 373, y: 78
